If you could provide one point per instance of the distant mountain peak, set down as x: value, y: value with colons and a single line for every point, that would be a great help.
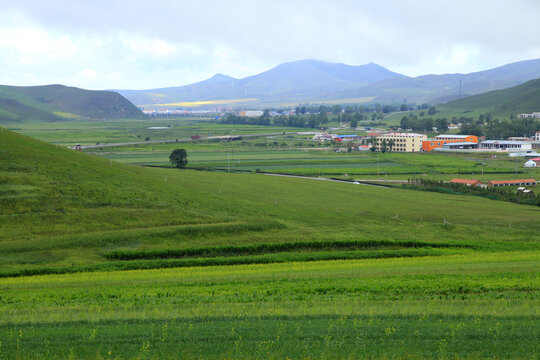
x: 220, y: 77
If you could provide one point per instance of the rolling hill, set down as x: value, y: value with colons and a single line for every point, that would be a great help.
x: 220, y: 269
x: 524, y: 98
x: 60, y: 207
x: 58, y: 102
x: 312, y: 80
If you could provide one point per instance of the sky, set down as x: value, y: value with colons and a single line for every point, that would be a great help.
x: 111, y: 44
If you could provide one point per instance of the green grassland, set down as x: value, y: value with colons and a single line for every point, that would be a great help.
x: 90, y: 132
x: 21, y: 104
x: 503, y: 104
x: 292, y: 155
x: 141, y: 262
x: 481, y: 306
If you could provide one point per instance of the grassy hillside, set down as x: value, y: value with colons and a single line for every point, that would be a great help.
x: 248, y: 266
x: 60, y: 207
x: 524, y: 98
x: 58, y: 102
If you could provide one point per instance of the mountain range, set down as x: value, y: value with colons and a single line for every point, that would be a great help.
x: 319, y: 81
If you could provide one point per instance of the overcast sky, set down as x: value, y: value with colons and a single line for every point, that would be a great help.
x: 104, y: 44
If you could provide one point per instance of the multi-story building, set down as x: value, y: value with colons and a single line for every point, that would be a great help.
x: 440, y: 140
x: 400, y: 142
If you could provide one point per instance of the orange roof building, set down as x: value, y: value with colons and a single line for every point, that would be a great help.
x: 526, y: 182
x: 468, y: 182
x: 440, y: 140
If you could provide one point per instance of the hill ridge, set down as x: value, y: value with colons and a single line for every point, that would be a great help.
x: 59, y: 102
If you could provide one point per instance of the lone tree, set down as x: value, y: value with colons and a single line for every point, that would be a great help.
x: 179, y: 158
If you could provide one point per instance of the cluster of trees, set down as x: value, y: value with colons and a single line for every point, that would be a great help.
x: 492, y: 128
x: 420, y: 124
x: 309, y: 120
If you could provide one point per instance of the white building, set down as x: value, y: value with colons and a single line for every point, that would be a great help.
x: 505, y: 145
x: 534, y: 115
x: 251, y: 113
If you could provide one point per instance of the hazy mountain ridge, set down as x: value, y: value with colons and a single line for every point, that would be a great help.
x: 312, y: 80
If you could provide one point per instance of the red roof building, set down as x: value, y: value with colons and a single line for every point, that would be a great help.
x: 468, y: 182
x: 526, y: 182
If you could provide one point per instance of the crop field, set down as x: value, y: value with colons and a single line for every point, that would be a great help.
x: 89, y: 132
x: 102, y: 259
x: 293, y: 155
x: 458, y: 306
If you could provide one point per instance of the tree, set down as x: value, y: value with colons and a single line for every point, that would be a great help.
x: 179, y: 158
x: 354, y: 123
x: 432, y: 110
x: 441, y: 124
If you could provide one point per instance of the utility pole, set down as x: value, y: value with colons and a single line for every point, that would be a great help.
x: 228, y: 163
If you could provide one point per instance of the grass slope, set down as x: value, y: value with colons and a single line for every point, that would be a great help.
x: 64, y: 208
x: 524, y: 98
x: 58, y: 102
x: 412, y: 275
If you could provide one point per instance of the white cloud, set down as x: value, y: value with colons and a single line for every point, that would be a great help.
x: 88, y: 73
x: 174, y: 43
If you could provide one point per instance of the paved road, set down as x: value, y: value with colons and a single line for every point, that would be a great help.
x: 325, y: 179
x: 176, y: 140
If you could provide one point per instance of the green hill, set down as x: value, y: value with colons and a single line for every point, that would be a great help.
x: 59, y: 207
x: 413, y: 274
x: 58, y: 102
x: 524, y: 98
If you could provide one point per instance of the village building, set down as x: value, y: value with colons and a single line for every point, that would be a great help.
x: 505, y: 145
x: 534, y: 162
x: 534, y: 115
x: 347, y: 137
x: 521, y: 182
x: 440, y: 140
x: 323, y: 137
x: 468, y: 182
x: 401, y: 142
x: 250, y: 113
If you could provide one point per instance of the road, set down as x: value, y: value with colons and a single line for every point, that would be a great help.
x: 175, y: 140
x: 325, y: 179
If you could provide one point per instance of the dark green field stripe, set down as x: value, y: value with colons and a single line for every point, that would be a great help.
x: 254, y: 249
x: 237, y: 260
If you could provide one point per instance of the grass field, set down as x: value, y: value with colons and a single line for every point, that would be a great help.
x: 90, y: 132
x: 131, y: 262
x: 481, y: 306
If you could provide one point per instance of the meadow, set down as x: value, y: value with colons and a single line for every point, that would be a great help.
x: 103, y: 259
x: 481, y: 306
x: 91, y: 132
